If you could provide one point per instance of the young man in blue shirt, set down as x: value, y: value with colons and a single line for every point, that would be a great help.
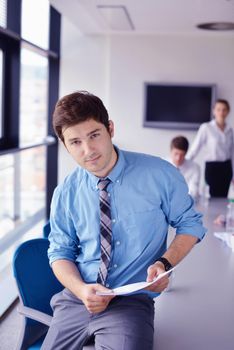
x: 109, y: 224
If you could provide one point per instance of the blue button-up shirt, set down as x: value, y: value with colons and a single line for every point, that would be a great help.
x: 147, y: 195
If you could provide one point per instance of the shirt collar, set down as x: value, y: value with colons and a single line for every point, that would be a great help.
x: 226, y: 128
x: 116, y: 174
x: 183, y: 165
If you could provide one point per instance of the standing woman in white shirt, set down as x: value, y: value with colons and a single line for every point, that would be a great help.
x: 216, y: 140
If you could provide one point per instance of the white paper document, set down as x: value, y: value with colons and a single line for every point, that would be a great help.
x: 227, y: 237
x: 134, y: 287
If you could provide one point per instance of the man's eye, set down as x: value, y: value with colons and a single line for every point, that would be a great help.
x: 76, y: 142
x: 93, y: 136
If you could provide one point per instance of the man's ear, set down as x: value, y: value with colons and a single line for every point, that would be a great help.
x: 111, y: 128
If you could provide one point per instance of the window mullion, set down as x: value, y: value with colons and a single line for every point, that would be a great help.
x: 17, y: 186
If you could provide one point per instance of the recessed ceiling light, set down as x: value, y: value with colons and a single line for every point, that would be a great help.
x: 216, y: 26
x: 116, y: 16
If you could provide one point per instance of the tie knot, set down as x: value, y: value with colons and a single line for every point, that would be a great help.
x: 103, y: 183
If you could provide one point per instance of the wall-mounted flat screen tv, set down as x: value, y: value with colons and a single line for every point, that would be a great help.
x: 178, y: 106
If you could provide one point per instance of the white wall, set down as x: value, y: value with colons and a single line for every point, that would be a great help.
x: 84, y: 66
x: 116, y: 68
x: 135, y: 60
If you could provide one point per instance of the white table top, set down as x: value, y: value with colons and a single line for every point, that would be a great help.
x: 198, y: 312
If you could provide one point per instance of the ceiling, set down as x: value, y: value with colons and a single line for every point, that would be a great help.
x: 148, y: 16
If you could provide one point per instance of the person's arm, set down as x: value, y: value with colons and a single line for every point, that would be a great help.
x: 198, y: 142
x: 63, y: 252
x: 232, y: 157
x: 178, y: 249
x: 68, y: 274
x: 180, y: 214
x: 194, y: 182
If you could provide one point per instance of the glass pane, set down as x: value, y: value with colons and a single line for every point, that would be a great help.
x: 33, y: 97
x: 1, y: 79
x: 35, y: 22
x: 22, y: 189
x: 6, y: 193
x: 3, y: 13
x: 6, y: 255
x: 32, y: 181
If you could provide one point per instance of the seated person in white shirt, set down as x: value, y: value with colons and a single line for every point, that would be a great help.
x: 215, y: 140
x: 189, y: 169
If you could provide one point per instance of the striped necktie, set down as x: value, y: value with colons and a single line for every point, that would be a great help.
x: 105, y: 229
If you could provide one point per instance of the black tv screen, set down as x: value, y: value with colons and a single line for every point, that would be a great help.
x: 176, y: 106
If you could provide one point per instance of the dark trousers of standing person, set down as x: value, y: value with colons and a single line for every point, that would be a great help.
x: 126, y: 324
x: 218, y: 176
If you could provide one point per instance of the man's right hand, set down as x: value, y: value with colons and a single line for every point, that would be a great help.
x: 67, y: 273
x: 94, y: 303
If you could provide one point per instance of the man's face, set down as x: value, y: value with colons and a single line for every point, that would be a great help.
x: 220, y: 112
x: 90, y: 145
x: 177, y: 156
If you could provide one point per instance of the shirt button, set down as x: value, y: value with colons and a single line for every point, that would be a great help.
x: 107, y: 285
x: 108, y: 194
x: 115, y: 266
x: 117, y: 242
x: 113, y: 220
x: 117, y: 181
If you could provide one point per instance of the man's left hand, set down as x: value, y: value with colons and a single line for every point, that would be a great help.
x: 152, y: 272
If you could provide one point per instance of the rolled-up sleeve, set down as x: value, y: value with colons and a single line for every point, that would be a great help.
x: 64, y: 242
x: 180, y: 208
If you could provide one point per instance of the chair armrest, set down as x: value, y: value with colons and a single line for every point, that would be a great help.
x: 35, y: 314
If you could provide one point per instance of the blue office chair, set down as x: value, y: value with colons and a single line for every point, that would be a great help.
x: 46, y: 229
x: 36, y: 284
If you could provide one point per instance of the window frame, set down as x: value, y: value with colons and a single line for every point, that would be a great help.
x: 2, y: 92
x: 11, y: 42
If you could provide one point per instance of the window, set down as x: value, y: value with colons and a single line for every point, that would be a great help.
x: 35, y: 22
x: 29, y: 77
x: 32, y: 181
x: 28, y: 93
x: 1, y: 92
x: 33, y: 97
x: 3, y: 13
x: 22, y: 187
x: 6, y: 194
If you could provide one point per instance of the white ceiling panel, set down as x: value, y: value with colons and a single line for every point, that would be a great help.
x: 147, y: 16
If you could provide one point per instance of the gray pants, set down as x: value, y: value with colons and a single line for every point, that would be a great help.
x: 126, y: 324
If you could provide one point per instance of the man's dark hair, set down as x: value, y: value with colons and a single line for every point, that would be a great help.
x: 180, y: 142
x: 76, y: 108
x: 224, y: 102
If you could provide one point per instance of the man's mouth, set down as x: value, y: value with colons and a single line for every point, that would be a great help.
x: 92, y: 159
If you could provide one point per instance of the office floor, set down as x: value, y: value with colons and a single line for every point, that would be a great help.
x: 9, y: 328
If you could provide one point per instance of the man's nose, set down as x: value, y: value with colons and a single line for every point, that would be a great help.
x: 87, y: 148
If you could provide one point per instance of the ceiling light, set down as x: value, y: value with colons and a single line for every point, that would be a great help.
x: 216, y: 26
x: 117, y: 17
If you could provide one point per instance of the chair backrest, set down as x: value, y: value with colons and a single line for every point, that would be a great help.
x: 34, y: 276
x: 46, y: 229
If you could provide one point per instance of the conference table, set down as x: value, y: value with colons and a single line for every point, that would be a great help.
x: 197, y: 313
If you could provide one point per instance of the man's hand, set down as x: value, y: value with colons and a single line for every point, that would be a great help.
x: 152, y: 272
x: 94, y: 303
x: 67, y: 273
